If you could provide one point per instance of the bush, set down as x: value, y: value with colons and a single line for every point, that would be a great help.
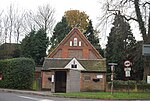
x: 18, y: 73
x: 133, y: 85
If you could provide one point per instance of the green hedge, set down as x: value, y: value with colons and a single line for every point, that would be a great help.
x: 18, y: 73
x: 120, y: 85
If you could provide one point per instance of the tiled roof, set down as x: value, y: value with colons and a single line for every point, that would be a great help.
x: 89, y: 65
x: 94, y: 65
x: 55, y: 63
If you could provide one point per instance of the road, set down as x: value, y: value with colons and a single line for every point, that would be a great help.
x: 25, y: 97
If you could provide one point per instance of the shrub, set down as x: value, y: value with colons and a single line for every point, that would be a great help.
x: 133, y: 85
x: 18, y: 73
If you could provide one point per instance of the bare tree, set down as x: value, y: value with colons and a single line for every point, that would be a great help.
x: 10, y: 15
x: 1, y: 29
x: 44, y: 17
x: 5, y: 27
x: 18, y: 26
x: 133, y: 10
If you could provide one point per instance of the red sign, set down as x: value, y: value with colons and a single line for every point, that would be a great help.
x: 127, y: 63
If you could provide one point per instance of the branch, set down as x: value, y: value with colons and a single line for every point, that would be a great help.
x: 146, y: 3
x: 130, y: 18
x: 112, y: 9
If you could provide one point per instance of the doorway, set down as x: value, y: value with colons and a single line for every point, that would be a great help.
x: 60, y: 81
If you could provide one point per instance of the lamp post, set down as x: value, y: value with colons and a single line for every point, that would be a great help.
x: 112, y: 75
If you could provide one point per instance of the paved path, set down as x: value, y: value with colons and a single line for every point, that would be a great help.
x: 42, y: 93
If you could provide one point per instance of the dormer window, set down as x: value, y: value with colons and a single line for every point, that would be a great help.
x: 75, y: 42
x: 74, y: 65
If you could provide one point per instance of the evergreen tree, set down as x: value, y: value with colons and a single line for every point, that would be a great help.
x: 60, y: 31
x: 34, y: 45
x: 121, y: 45
x: 93, y: 38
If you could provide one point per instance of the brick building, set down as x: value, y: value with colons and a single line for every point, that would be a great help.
x: 74, y: 66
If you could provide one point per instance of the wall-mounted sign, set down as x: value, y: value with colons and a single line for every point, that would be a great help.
x: 52, y: 78
x: 99, y: 76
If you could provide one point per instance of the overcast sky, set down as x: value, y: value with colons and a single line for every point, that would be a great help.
x: 91, y: 7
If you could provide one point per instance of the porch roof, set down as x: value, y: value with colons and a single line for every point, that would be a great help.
x: 89, y: 65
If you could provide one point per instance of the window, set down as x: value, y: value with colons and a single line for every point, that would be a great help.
x: 75, y: 42
x: 70, y: 43
x: 79, y: 43
x: 74, y: 66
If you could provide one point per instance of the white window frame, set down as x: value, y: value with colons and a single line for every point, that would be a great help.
x: 79, y: 43
x: 75, y: 42
x: 70, y: 43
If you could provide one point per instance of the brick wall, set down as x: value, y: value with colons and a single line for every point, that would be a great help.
x: 46, y: 84
x: 92, y: 82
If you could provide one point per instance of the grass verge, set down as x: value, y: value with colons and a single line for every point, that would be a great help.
x: 107, y: 95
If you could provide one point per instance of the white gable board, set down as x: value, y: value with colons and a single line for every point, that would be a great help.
x: 74, y: 62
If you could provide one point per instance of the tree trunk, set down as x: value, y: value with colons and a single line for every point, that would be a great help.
x: 140, y: 21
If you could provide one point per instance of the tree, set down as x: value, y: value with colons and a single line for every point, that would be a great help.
x: 1, y: 34
x: 92, y: 36
x: 121, y: 45
x: 43, y: 18
x: 12, y: 25
x: 34, y: 45
x: 76, y: 18
x: 60, y: 31
x: 139, y: 13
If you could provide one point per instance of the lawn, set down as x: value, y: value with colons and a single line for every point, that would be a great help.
x: 107, y: 95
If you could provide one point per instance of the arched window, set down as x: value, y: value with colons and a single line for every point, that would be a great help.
x: 75, y: 42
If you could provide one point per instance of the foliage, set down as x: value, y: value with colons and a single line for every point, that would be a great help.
x: 34, y: 45
x: 92, y: 36
x: 10, y: 50
x: 17, y: 73
x: 60, y: 31
x: 121, y: 46
x: 135, y: 11
x: 133, y: 85
x: 76, y: 18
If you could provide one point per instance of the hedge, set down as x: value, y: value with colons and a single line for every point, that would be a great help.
x: 120, y: 85
x: 17, y: 73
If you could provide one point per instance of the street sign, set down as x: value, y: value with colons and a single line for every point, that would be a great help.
x: 127, y: 69
x: 112, y: 64
x: 127, y: 63
x: 127, y: 73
